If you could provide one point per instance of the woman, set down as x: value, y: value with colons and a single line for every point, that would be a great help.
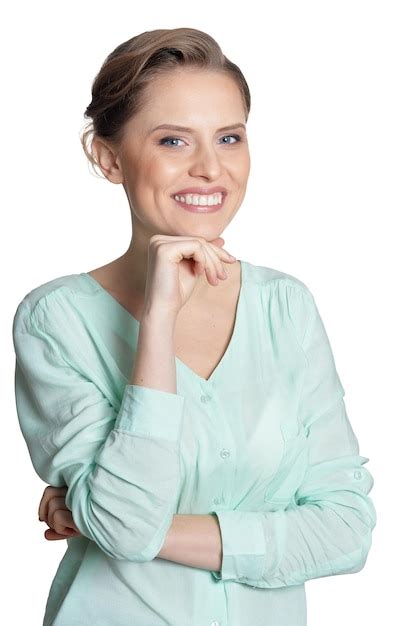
x: 185, y: 406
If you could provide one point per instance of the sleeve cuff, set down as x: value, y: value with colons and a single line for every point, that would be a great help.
x: 149, y: 412
x: 244, y: 546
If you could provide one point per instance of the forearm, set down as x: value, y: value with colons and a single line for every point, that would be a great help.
x: 194, y: 540
x: 154, y: 364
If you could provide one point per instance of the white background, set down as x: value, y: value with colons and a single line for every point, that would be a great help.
x: 331, y: 199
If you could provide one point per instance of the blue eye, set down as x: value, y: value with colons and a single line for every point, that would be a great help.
x: 237, y: 137
x: 164, y: 140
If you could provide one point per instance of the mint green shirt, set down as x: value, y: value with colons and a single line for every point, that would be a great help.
x: 264, y: 444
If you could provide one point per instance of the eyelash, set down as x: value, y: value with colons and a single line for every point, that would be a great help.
x: 237, y: 137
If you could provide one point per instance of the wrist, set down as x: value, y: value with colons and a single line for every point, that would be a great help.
x: 158, y: 316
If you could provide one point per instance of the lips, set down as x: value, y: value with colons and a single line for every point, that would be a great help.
x: 201, y: 208
x: 201, y: 191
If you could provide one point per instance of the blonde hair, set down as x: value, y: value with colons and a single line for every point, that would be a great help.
x: 119, y: 89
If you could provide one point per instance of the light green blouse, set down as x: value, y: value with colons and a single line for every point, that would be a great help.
x: 265, y: 444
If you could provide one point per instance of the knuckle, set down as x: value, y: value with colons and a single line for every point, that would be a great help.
x: 155, y: 240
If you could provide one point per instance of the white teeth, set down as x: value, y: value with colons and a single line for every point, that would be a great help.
x: 200, y: 200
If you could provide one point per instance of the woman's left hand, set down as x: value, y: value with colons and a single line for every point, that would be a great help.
x: 53, y: 511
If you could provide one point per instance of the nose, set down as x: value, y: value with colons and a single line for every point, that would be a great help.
x: 206, y: 163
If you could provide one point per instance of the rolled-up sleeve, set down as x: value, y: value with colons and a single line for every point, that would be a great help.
x: 121, y: 467
x: 328, y: 529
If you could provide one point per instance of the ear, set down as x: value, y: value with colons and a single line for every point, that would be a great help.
x: 106, y: 156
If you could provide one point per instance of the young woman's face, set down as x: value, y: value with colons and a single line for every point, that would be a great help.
x: 154, y: 165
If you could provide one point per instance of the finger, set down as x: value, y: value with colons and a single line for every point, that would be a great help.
x: 63, y: 522
x: 195, y: 248
x: 54, y: 505
x: 186, y: 237
x: 52, y: 535
x: 66, y: 520
x: 218, y: 241
x: 223, y: 254
x: 209, y: 265
x: 195, y: 251
x: 200, y: 260
x: 216, y: 268
x: 49, y: 492
x: 43, y: 505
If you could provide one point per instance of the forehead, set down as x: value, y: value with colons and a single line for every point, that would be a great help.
x: 194, y: 98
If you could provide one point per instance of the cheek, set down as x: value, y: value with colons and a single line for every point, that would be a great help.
x: 241, y: 167
x: 160, y: 172
x: 146, y: 165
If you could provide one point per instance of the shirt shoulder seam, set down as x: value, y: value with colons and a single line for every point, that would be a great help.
x: 32, y: 319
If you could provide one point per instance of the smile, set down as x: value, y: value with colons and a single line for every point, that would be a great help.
x: 200, y: 203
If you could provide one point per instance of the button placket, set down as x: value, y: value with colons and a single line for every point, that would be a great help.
x: 207, y: 397
x: 206, y: 391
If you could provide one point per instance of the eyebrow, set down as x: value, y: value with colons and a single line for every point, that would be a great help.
x: 190, y: 130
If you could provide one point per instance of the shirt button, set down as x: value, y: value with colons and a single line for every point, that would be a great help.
x: 204, y: 398
x: 215, y: 623
x: 224, y: 453
x: 216, y: 500
x: 358, y: 475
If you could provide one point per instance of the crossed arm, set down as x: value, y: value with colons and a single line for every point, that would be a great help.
x: 77, y: 438
x: 192, y: 540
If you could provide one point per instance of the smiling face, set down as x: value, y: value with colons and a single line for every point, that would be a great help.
x: 154, y: 165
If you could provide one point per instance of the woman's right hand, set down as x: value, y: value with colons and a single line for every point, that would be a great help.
x: 55, y: 513
x: 174, y: 266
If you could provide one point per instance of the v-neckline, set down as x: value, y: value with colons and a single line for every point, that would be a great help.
x: 187, y: 368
